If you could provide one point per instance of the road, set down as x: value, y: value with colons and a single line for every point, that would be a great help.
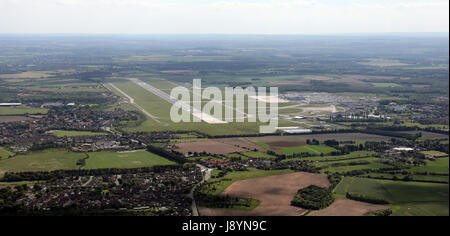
x: 88, y: 182
x: 206, y: 177
x: 135, y: 104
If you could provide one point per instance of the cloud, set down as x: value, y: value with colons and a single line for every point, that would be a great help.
x: 223, y: 16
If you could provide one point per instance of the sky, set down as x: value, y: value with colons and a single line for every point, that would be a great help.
x: 222, y: 16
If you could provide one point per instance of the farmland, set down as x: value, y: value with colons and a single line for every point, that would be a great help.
x: 5, y: 153
x: 368, y: 114
x: 407, y: 198
x: 9, y: 111
x: 312, y: 149
x: 275, y: 199
x: 62, y: 133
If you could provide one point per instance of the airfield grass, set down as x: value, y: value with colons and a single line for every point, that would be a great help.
x: 21, y: 110
x: 5, y: 153
x: 64, y: 133
x: 161, y: 109
x: 406, y: 198
x: 141, y: 158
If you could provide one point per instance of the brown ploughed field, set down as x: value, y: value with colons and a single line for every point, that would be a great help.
x: 274, y: 192
x: 347, y: 207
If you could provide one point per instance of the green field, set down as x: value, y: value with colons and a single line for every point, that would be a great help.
x: 5, y: 153
x: 407, y: 198
x: 343, y: 162
x: 58, y: 159
x: 343, y: 169
x: 142, y: 158
x: 52, y: 159
x: 312, y: 149
x: 440, y: 166
x: 22, y: 110
x: 258, y: 155
x: 63, y: 133
x: 385, y: 85
x: 361, y: 154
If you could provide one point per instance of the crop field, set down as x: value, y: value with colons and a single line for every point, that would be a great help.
x: 411, y: 176
x: 63, y: 133
x: 312, y: 149
x: 8, y: 119
x: 321, y: 138
x: 379, y: 62
x: 434, y: 154
x: 5, y: 153
x: 440, y: 165
x: 407, y: 198
x: 386, y: 85
x: 347, y: 207
x: 224, y: 182
x: 361, y: 154
x: 258, y: 155
x: 212, y: 147
x: 22, y: 110
x: 27, y: 75
x: 330, y: 163
x: 275, y: 198
x: 133, y: 159
x: 342, y: 169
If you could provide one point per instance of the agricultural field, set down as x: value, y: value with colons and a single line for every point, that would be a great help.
x: 407, y: 198
x: 64, y: 133
x: 440, y: 165
x: 275, y: 199
x: 232, y: 177
x: 348, y: 91
x: 347, y: 207
x: 374, y: 164
x: 22, y: 110
x: 311, y: 149
x: 386, y: 85
x: 357, y: 154
x: 132, y: 159
x: 5, y: 153
x: 379, y: 62
x: 27, y: 75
